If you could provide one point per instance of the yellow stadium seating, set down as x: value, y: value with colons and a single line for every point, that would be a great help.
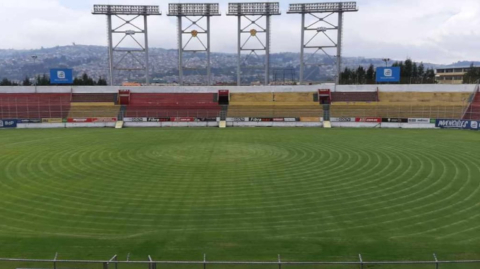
x: 91, y: 110
x: 271, y: 105
x: 438, y: 98
x: 406, y: 105
x: 390, y: 105
x: 382, y: 110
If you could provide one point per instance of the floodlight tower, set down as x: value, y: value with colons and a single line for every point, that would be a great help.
x: 194, y: 13
x: 253, y: 13
x: 316, y: 8
x: 120, y: 11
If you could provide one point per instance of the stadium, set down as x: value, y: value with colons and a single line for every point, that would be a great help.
x: 273, y: 176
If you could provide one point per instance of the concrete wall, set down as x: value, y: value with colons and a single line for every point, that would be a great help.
x: 250, y: 89
x: 274, y: 124
x: 170, y: 124
x: 65, y: 125
x: 389, y: 125
x: 229, y: 124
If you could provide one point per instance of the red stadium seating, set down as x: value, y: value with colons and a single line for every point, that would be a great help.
x: 94, y: 97
x: 200, y: 105
x: 473, y: 111
x: 354, y: 96
x: 34, y: 106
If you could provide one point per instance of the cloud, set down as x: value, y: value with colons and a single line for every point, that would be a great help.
x: 436, y: 31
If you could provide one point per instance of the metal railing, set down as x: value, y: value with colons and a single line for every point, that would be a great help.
x: 193, y: 113
x: 442, y: 113
x: 414, y: 111
x: 115, y: 263
x: 12, y: 108
x: 472, y: 99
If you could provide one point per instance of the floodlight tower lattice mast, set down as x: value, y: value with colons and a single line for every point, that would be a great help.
x: 246, y: 11
x: 120, y: 11
x: 194, y: 13
x: 319, y: 8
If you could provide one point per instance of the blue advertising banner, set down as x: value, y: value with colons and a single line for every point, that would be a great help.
x: 458, y: 124
x: 388, y: 74
x: 8, y: 123
x: 29, y: 121
x: 61, y: 76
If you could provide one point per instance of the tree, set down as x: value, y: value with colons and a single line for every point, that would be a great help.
x: 414, y: 73
x: 370, y: 77
x: 87, y: 80
x: 407, y: 72
x: 360, y: 75
x: 43, y: 80
x: 26, y: 81
x: 430, y: 76
x: 410, y: 72
x: 102, y: 82
x: 6, y: 82
x: 421, y: 72
x: 472, y: 75
x: 77, y: 81
x: 84, y: 80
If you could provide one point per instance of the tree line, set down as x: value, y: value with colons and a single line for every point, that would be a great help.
x: 472, y: 75
x: 410, y: 73
x: 44, y: 80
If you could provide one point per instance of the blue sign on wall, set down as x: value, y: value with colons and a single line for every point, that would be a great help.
x: 61, y: 76
x: 458, y: 124
x: 8, y: 123
x: 388, y: 74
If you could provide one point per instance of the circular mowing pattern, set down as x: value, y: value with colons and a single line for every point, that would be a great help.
x: 280, y: 184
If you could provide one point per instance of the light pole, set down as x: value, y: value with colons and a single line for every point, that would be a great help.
x: 34, y: 57
x: 386, y: 60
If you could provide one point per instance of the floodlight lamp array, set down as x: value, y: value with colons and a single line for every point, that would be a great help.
x: 239, y: 9
x: 323, y: 7
x: 126, y: 10
x: 205, y: 9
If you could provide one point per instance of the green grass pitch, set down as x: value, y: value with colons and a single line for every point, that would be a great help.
x: 240, y: 194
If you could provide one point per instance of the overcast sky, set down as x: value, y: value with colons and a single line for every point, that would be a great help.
x: 437, y: 31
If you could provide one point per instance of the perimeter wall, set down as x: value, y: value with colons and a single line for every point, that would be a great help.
x: 214, y: 89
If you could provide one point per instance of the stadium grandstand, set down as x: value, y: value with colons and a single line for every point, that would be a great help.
x: 435, y: 102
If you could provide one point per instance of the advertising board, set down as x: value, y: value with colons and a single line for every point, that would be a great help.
x: 388, y: 74
x: 134, y: 119
x: 206, y: 119
x: 368, y: 120
x: 61, y: 76
x: 342, y: 119
x: 8, y: 123
x: 457, y: 124
x: 104, y: 119
x: 236, y: 119
x: 310, y: 119
x: 182, y: 119
x: 395, y: 120
x: 79, y: 120
x: 52, y: 120
x: 158, y: 119
x: 29, y: 121
x: 419, y: 120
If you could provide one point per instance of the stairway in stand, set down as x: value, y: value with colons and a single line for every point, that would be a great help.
x: 223, y: 112
x: 473, y: 110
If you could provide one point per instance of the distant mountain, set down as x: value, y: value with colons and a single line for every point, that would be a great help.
x: 17, y: 64
x: 463, y: 64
